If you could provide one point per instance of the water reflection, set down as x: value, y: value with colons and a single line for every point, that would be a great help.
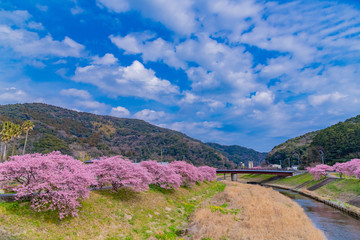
x: 335, y: 224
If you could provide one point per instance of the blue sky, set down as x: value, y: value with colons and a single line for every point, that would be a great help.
x: 252, y: 73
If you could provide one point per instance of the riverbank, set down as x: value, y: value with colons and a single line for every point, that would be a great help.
x: 155, y: 214
x: 337, y: 193
x: 245, y: 211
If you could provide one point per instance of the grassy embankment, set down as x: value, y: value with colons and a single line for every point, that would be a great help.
x: 155, y: 214
x: 251, y: 212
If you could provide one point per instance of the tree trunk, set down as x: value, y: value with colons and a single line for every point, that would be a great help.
x: 1, y: 152
x: 25, y: 142
x: 13, y: 148
x: 4, y: 156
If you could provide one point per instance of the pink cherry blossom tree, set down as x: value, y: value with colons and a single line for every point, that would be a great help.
x: 351, y: 167
x: 163, y: 176
x: 319, y: 170
x: 118, y: 172
x: 52, y: 181
x: 189, y: 173
x: 340, y: 168
x: 207, y: 173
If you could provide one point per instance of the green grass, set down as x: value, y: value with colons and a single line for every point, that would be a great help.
x: 258, y: 177
x: 106, y: 215
x: 345, y: 189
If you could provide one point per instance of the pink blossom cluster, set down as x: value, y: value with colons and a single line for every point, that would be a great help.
x: 207, y: 173
x: 350, y: 168
x: 52, y: 181
x: 319, y: 170
x: 118, y: 172
x: 163, y: 176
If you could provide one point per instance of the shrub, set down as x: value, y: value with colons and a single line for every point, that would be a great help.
x: 207, y: 173
x: 119, y: 172
x: 163, y: 176
x: 189, y: 174
x: 52, y: 181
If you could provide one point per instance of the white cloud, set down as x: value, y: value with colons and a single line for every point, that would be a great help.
x: 77, y: 93
x: 201, y: 78
x: 120, y: 112
x: 134, y: 80
x: 150, y: 115
x: 316, y: 100
x: 114, y: 5
x: 29, y: 44
x: 176, y: 15
x: 76, y: 10
x: 150, y: 49
x: 107, y: 59
x: 91, y: 104
x: 13, y: 96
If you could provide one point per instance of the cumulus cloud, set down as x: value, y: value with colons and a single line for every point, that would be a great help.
x: 176, y: 15
x: 150, y: 48
x: 92, y: 104
x: 16, y: 34
x: 77, y: 93
x: 29, y: 44
x: 107, y: 59
x: 119, y: 112
x: 151, y: 115
x: 134, y: 80
x: 316, y: 100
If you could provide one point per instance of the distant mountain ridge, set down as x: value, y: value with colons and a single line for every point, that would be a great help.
x: 85, y: 135
x: 239, y: 154
x: 339, y: 142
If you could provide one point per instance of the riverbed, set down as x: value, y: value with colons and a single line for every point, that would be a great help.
x: 335, y: 224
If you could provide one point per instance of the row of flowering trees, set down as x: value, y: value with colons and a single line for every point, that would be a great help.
x: 59, y: 182
x: 350, y: 168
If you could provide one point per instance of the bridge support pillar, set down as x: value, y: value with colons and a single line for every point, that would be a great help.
x: 224, y: 176
x: 233, y: 177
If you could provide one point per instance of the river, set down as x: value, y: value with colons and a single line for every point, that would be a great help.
x: 335, y: 224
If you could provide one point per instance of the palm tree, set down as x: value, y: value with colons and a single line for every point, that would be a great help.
x: 6, y: 135
x: 27, y: 126
x: 16, y: 133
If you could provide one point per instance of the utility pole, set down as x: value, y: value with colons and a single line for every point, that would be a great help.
x: 298, y: 158
x: 289, y: 162
x: 161, y: 154
x: 322, y: 156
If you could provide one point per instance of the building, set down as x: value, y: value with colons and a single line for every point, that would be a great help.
x: 278, y: 166
x: 251, y: 164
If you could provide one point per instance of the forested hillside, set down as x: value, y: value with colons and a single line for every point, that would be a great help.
x: 340, y: 142
x: 85, y: 136
x: 239, y: 154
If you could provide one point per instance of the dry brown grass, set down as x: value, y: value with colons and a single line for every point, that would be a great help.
x: 265, y: 214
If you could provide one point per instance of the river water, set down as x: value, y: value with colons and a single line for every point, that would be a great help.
x: 335, y: 224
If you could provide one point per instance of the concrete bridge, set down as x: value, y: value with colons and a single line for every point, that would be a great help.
x: 235, y: 172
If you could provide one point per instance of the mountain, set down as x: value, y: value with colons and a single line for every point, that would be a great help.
x: 239, y: 154
x: 339, y: 142
x: 85, y: 136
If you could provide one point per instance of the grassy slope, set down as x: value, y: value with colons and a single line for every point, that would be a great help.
x: 106, y: 215
x: 298, y: 180
x: 342, y: 189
